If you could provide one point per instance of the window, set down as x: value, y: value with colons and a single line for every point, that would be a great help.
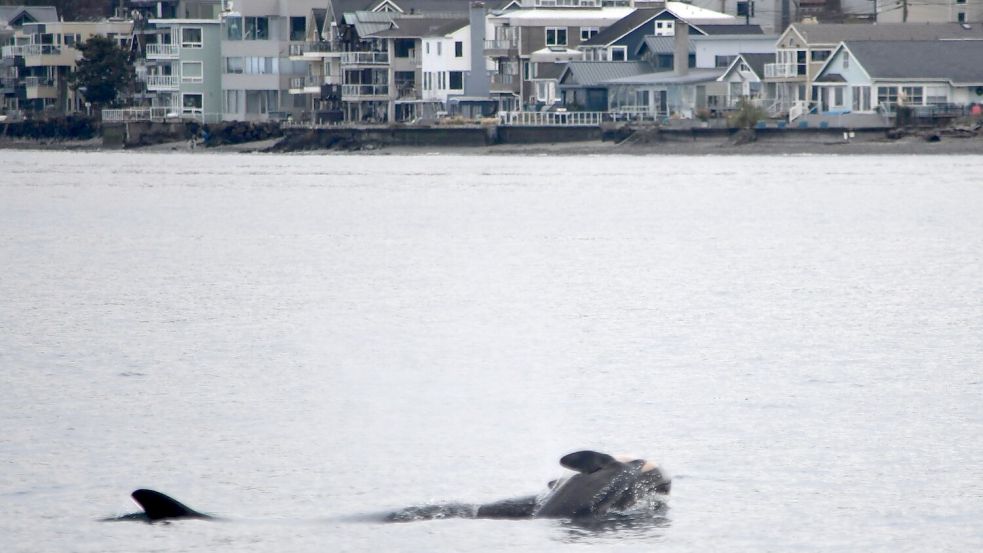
x: 233, y: 27
x: 820, y: 55
x: 838, y: 96
x: 191, y: 103
x: 936, y: 95
x: 233, y: 101
x: 455, y: 80
x: 439, y: 49
x: 525, y: 70
x: 961, y: 17
x: 191, y: 37
x: 298, y: 28
x: 861, y: 98
x: 913, y: 95
x: 257, y: 28
x: 458, y: 49
x: 665, y: 28
x: 233, y: 65
x: 846, y: 60
x: 191, y: 72
x: 745, y: 9
x: 723, y: 61
x: 556, y: 36
x: 619, y: 53
x: 887, y: 96
x: 587, y: 32
x: 426, y: 80
x: 427, y: 47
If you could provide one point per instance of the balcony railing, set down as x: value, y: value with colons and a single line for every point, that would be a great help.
x: 348, y: 90
x: 365, y: 58
x: 162, y: 51
x: 38, y: 81
x: 311, y: 48
x: 42, y: 49
x: 780, y: 70
x: 551, y: 118
x: 136, y: 114
x: 501, y: 44
x: 13, y: 51
x: 162, y: 82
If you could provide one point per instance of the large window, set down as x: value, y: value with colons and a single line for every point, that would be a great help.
x: 820, y: 55
x: 887, y: 96
x: 556, y: 36
x: 455, y: 80
x: 233, y: 27
x: 861, y: 98
x: 233, y: 101
x: 745, y: 9
x: 257, y: 28
x: 298, y: 28
x: 619, y: 53
x: 191, y: 103
x: 233, y: 65
x: 936, y: 94
x: 913, y: 95
x: 191, y: 37
x: 587, y: 32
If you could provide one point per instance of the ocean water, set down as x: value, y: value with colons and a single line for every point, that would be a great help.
x: 299, y: 343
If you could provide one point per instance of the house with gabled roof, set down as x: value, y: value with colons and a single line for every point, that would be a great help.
x: 744, y: 79
x: 878, y: 76
x: 803, y: 48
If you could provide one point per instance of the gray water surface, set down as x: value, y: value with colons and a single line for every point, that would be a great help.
x: 300, y: 343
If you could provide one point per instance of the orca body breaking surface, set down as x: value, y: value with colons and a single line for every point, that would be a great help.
x: 159, y: 507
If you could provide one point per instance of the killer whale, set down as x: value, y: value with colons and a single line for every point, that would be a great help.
x: 158, y: 507
x: 603, y: 485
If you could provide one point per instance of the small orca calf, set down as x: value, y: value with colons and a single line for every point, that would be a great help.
x: 603, y: 485
x: 157, y: 507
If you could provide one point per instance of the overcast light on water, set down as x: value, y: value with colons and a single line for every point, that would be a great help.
x: 300, y: 343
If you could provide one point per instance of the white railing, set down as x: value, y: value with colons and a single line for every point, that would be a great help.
x: 364, y: 58
x: 13, y: 51
x: 798, y: 109
x: 162, y: 82
x: 38, y: 81
x: 136, y: 114
x: 780, y: 70
x: 364, y: 90
x: 499, y: 78
x: 302, y: 48
x: 551, y: 118
x: 162, y: 51
x: 41, y: 49
x: 500, y: 44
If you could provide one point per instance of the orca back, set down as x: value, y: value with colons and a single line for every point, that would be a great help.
x: 158, y: 506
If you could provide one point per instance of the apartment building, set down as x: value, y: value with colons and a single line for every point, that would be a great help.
x: 183, y: 66
x: 12, y: 20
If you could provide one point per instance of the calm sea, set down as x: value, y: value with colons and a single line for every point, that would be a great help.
x: 298, y: 343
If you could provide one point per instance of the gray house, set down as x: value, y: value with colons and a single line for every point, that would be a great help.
x: 581, y: 83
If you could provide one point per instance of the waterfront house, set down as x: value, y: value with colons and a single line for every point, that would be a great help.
x: 744, y: 79
x: 864, y: 77
x: 12, y: 19
x: 581, y: 83
x: 804, y: 48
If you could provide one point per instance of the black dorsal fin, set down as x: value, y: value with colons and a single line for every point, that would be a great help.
x: 159, y: 506
x: 587, y: 461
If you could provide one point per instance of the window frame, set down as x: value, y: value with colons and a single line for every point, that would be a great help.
x: 190, y: 43
x: 193, y: 79
x: 556, y: 31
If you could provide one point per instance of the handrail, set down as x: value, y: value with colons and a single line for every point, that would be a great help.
x: 551, y: 118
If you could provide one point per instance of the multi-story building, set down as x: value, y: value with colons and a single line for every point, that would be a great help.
x: 12, y: 19
x: 183, y: 67
x: 45, y: 54
x: 257, y: 40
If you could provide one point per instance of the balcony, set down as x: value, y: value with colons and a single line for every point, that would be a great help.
x: 365, y: 91
x: 501, y: 48
x: 504, y: 83
x: 306, y: 85
x: 12, y: 51
x: 781, y: 70
x: 48, y: 55
x: 312, y: 50
x: 162, y: 82
x: 163, y: 51
x: 365, y: 58
x: 39, y: 87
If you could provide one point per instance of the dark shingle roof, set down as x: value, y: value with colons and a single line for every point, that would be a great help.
x: 714, y: 29
x: 623, y: 26
x: 417, y: 27
x: 663, y: 45
x: 549, y: 70
x: 942, y: 59
x: 757, y: 62
x: 592, y: 73
x: 832, y: 33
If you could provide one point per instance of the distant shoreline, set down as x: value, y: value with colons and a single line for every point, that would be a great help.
x: 909, y: 145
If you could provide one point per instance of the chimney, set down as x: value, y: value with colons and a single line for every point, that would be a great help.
x: 680, y: 53
x: 477, y: 81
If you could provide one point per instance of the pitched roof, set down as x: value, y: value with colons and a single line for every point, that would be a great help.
x: 593, y: 73
x: 951, y: 60
x: 418, y: 27
x: 547, y: 70
x: 715, y: 29
x: 757, y: 62
x: 429, y: 7
x: 663, y: 45
x: 37, y: 13
x: 671, y: 77
x: 623, y: 26
x: 832, y: 33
